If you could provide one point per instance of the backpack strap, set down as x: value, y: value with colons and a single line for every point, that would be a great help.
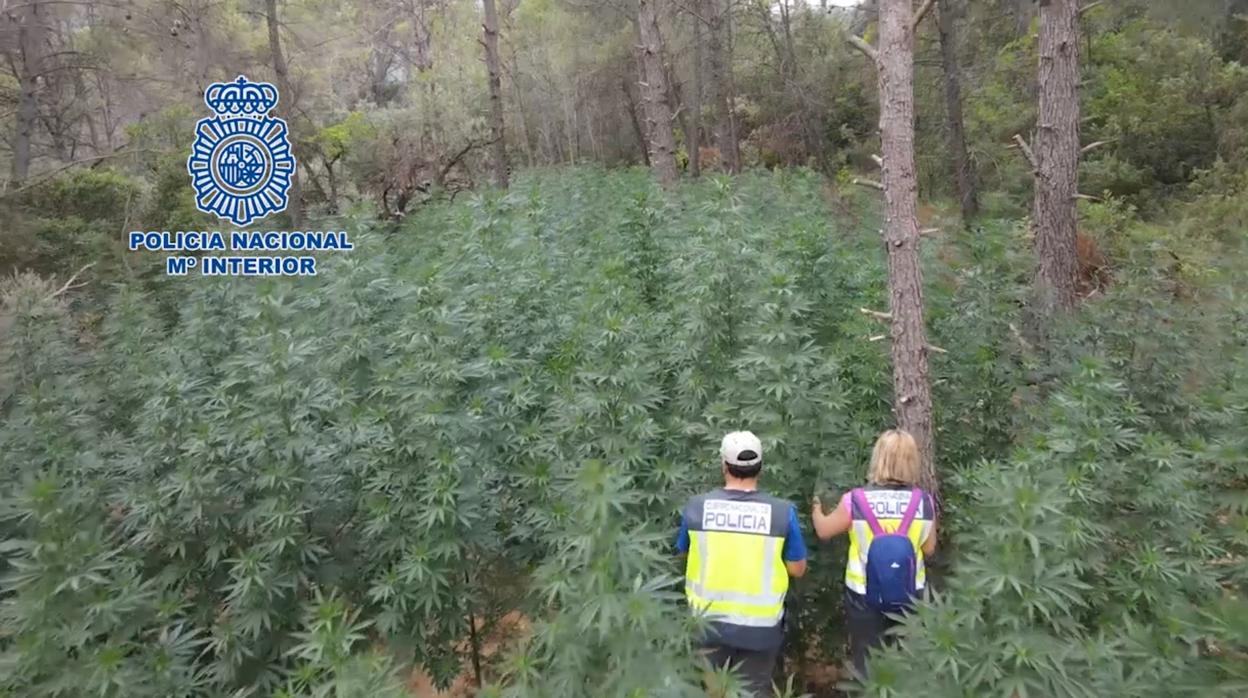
x: 916, y: 496
x: 860, y: 500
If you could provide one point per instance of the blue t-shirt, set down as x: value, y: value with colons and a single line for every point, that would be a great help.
x: 794, y: 547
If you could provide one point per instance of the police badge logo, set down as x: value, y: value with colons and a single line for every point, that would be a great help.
x: 241, y: 162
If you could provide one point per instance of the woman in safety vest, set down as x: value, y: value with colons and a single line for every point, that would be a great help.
x: 876, y: 578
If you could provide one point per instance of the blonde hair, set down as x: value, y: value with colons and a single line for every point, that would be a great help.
x: 895, y: 458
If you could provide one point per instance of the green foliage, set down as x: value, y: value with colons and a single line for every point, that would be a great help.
x: 70, y: 220
x: 303, y: 487
x: 424, y: 467
x: 1161, y: 98
x: 1094, y: 559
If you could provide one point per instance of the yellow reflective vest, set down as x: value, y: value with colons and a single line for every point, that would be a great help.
x: 888, y: 504
x: 735, y: 572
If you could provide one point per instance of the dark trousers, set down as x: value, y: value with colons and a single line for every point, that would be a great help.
x: 755, y: 666
x: 867, y: 629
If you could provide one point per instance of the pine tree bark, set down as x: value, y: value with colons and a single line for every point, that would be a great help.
x: 963, y: 178
x: 720, y: 64
x: 912, y: 392
x: 695, y: 100
x: 498, y: 148
x: 658, y: 112
x: 1056, y: 150
x: 734, y: 136
x: 295, y: 205
x: 642, y: 142
x: 30, y: 48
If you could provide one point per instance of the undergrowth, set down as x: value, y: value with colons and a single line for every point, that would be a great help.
x: 301, y: 487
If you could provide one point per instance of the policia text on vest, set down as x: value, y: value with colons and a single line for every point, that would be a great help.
x: 743, y: 517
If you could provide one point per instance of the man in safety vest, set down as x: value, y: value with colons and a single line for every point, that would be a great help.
x: 742, y: 547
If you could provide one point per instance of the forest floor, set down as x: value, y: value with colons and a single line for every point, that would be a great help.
x: 508, y: 627
x: 818, y: 678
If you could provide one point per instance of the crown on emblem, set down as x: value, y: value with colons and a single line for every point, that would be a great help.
x: 241, y: 97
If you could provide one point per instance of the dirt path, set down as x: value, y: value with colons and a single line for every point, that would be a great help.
x: 464, y: 686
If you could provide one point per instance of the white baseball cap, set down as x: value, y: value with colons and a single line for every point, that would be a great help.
x: 741, y: 448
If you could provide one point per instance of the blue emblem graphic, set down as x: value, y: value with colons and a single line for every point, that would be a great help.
x: 241, y: 162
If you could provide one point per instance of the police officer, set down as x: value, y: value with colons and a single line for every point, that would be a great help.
x: 891, y: 478
x: 742, y: 546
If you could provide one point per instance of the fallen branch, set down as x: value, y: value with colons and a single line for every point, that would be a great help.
x: 1019, y: 336
x: 938, y: 350
x: 929, y: 231
x: 1086, y: 197
x: 876, y: 314
x: 70, y: 284
x: 877, y: 338
x: 1093, y: 146
x: 920, y: 13
x: 867, y: 49
x: 1089, y: 6
x: 1031, y: 157
x: 878, y: 161
x: 868, y: 183
x: 471, y: 145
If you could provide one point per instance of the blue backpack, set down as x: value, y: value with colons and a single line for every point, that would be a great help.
x: 891, y: 562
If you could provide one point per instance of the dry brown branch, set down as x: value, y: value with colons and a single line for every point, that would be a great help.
x: 1031, y: 157
x: 920, y: 13
x: 70, y: 284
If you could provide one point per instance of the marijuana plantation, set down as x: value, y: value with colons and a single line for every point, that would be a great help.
x: 315, y: 486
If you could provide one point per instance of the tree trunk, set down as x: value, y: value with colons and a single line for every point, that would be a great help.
x: 423, y: 36
x: 721, y: 99
x: 1056, y: 151
x: 912, y: 395
x: 654, y: 95
x: 295, y: 205
x: 808, y: 118
x: 677, y: 101
x: 695, y: 100
x: 790, y: 53
x: 30, y: 48
x: 734, y: 136
x: 637, y: 130
x: 498, y: 149
x: 333, y: 186
x: 963, y: 178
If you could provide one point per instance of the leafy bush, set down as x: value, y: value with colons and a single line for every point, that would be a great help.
x: 70, y: 220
